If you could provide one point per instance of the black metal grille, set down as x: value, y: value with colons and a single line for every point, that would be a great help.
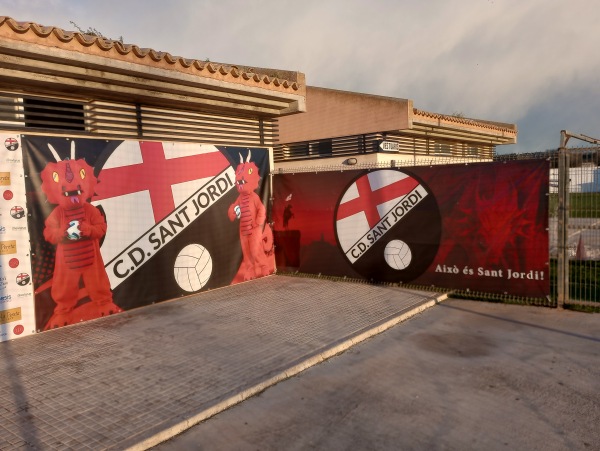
x: 369, y: 143
x: 133, y: 121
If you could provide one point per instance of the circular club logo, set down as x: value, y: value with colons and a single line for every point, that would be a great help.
x: 23, y: 279
x: 11, y: 144
x: 8, y: 195
x: 18, y: 329
x: 13, y: 262
x: 17, y: 212
x: 388, y: 225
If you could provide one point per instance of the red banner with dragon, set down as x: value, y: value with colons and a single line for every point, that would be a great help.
x: 479, y: 227
x: 120, y: 224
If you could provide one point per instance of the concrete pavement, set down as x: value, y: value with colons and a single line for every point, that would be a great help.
x: 464, y: 375
x: 133, y: 380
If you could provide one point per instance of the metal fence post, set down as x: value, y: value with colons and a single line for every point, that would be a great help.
x: 562, y: 270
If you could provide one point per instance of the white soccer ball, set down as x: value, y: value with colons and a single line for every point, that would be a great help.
x: 73, y: 232
x: 397, y: 254
x: 193, y: 267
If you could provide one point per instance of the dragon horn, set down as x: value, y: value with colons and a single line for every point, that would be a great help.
x: 249, y: 155
x: 241, y: 158
x: 54, y: 152
x: 72, y: 150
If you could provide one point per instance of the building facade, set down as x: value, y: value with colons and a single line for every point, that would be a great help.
x: 58, y: 81
x: 341, y: 126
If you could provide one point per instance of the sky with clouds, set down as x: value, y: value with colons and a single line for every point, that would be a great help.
x: 530, y: 62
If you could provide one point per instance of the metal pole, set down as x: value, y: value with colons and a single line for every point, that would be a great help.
x: 562, y: 270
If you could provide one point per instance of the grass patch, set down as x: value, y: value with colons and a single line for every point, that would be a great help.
x: 584, y: 282
x: 581, y: 205
x: 583, y: 308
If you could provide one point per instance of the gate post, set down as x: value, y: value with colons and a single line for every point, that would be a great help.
x: 562, y: 270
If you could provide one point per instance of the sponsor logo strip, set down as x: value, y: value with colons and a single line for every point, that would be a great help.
x: 8, y: 247
x: 10, y: 315
x: 4, y: 178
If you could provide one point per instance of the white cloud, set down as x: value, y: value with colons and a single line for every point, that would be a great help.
x: 503, y: 60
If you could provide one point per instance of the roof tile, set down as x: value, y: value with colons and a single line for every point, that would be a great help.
x: 86, y: 41
x: 466, y: 121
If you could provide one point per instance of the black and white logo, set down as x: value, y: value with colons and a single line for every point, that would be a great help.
x: 388, y: 225
x: 11, y: 144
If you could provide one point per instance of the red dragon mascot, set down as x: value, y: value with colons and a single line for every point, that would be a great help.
x: 256, y: 236
x: 75, y: 227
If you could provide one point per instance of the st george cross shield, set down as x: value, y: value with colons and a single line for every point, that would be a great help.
x: 388, y: 225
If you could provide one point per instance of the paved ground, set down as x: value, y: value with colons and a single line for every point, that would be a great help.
x: 134, y: 379
x: 463, y: 375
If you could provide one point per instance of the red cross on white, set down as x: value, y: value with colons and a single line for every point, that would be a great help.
x: 157, y: 174
x: 11, y: 143
x: 369, y: 199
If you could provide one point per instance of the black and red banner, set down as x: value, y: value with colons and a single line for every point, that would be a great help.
x: 481, y: 227
x: 120, y: 224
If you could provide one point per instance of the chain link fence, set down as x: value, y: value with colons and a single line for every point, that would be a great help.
x: 575, y: 226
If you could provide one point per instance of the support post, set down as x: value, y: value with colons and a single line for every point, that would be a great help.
x: 562, y: 269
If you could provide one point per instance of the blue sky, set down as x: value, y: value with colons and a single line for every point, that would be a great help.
x: 530, y: 62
